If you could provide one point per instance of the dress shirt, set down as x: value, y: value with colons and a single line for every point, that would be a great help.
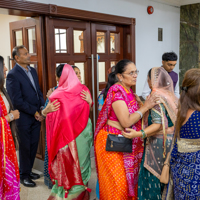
x: 28, y: 73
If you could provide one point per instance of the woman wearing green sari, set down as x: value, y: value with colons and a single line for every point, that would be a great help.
x: 157, y: 135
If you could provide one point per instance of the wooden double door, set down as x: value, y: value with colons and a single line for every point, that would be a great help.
x: 92, y: 47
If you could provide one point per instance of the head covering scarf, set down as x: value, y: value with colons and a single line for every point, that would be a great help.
x: 162, y: 85
x: 64, y: 125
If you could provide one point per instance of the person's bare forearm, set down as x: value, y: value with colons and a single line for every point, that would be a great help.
x: 135, y: 117
x: 152, y: 129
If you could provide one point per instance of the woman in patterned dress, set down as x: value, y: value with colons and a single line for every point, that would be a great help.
x: 161, y: 120
x: 9, y: 170
x: 118, y: 171
x: 184, y: 181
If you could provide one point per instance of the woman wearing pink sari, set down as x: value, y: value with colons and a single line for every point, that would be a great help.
x: 69, y: 139
x: 118, y: 171
x: 9, y: 170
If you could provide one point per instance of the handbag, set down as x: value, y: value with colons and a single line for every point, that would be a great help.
x: 118, y: 142
x: 164, y: 177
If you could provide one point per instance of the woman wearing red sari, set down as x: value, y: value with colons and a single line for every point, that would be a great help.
x: 118, y: 171
x: 9, y: 171
x: 69, y: 139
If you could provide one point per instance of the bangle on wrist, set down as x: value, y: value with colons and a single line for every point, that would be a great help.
x: 141, y: 115
x: 144, y: 135
x: 11, y: 116
x: 166, y: 164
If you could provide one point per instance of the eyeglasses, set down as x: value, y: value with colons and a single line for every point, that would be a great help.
x: 133, y: 73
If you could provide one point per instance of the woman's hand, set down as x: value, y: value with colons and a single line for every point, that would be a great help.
x: 51, y: 107
x: 15, y: 113
x: 151, y: 101
x: 85, y: 95
x: 131, y: 133
x: 50, y: 91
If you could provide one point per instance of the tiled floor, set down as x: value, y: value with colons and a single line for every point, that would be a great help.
x: 41, y: 192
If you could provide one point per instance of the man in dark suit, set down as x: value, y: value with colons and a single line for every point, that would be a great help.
x: 24, y: 90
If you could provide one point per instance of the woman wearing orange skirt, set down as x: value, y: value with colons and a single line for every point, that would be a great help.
x: 118, y: 171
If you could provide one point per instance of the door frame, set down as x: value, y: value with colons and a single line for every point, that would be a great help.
x: 33, y: 9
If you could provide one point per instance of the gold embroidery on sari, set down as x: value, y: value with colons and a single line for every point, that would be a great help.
x: 188, y: 145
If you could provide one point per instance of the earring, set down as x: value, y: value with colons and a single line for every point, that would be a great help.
x: 120, y: 80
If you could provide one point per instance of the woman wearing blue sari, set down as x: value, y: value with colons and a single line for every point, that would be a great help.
x: 184, y: 180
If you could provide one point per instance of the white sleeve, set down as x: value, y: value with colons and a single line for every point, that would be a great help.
x: 176, y: 90
x: 146, y: 90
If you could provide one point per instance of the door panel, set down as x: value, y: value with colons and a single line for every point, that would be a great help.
x: 76, y: 38
x: 107, y: 47
x: 107, y: 42
x: 28, y: 32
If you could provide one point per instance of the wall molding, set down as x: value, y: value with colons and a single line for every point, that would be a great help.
x: 28, y: 8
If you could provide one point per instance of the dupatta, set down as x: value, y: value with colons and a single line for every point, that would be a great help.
x: 131, y: 160
x: 158, y: 145
x: 66, y: 124
x: 9, y: 171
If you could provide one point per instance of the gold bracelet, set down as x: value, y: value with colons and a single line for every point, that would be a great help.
x: 166, y: 164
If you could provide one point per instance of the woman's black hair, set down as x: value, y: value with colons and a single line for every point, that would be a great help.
x: 3, y: 90
x: 149, y: 73
x: 59, y: 70
x: 73, y: 66
x: 112, y: 79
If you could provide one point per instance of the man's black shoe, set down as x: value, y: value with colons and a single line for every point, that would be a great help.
x: 34, y: 176
x: 27, y: 182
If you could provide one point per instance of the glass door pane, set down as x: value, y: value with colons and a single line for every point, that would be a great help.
x: 31, y: 40
x: 114, y: 42
x: 102, y: 74
x: 78, y: 42
x: 18, y: 38
x: 100, y: 37
x: 60, y: 40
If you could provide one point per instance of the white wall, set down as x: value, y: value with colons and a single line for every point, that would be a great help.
x: 5, y: 50
x: 148, y: 50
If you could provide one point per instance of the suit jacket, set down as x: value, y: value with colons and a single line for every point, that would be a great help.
x: 23, y: 94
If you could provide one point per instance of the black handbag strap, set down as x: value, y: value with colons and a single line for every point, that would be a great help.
x: 107, y: 121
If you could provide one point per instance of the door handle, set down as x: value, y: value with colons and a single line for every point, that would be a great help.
x: 93, y: 91
x: 9, y: 59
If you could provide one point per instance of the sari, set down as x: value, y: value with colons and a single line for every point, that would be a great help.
x: 117, y: 171
x: 9, y: 171
x: 100, y: 102
x: 184, y: 177
x: 158, y: 145
x: 47, y: 179
x: 69, y: 135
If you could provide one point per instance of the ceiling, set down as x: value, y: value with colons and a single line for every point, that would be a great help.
x: 178, y: 2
